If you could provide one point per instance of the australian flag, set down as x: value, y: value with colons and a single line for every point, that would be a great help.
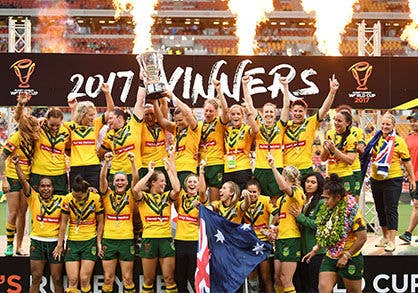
x: 227, y: 253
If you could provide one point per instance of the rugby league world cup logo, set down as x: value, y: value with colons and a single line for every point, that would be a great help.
x: 361, y: 72
x: 23, y: 69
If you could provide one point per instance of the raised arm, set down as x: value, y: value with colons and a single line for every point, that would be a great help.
x: 250, y: 119
x: 170, y: 166
x: 140, y: 102
x: 21, y: 176
x: 142, y: 184
x: 104, y: 184
x: 22, y: 99
x: 110, y: 105
x: 246, y: 202
x: 247, y: 97
x: 164, y: 122
x: 222, y: 100
x: 135, y: 175
x: 284, y: 186
x: 202, y: 182
x: 284, y: 114
x: 326, y: 105
x: 185, y: 110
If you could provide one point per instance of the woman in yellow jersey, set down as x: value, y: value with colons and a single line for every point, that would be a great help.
x: 186, y: 239
x: 339, y: 148
x: 45, y: 208
x: 287, y: 246
x: 50, y: 150
x: 389, y: 152
x: 269, y: 139
x: 186, y: 132
x: 257, y: 210
x: 22, y: 144
x: 228, y: 206
x: 300, y: 132
x: 118, y: 235
x: 238, y: 139
x: 211, y: 148
x: 154, y: 205
x: 122, y: 139
x: 84, y: 132
x: 342, y: 231
x: 360, y: 145
x: 83, y: 210
x: 153, y: 136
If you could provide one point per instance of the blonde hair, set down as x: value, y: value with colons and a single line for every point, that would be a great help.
x: 238, y: 107
x: 81, y: 110
x: 293, y: 174
x: 390, y: 116
x: 29, y: 131
x: 212, y: 102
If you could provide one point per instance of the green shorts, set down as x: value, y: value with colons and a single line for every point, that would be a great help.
x: 358, y: 182
x: 214, y: 175
x: 268, y: 184
x: 122, y: 249
x: 349, y: 184
x: 42, y: 250
x: 143, y: 171
x: 157, y: 247
x: 352, y: 271
x: 287, y: 250
x: 60, y: 182
x: 14, y: 184
x: 81, y: 250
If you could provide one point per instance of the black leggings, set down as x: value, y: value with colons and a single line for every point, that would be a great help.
x: 386, y: 194
x: 185, y: 264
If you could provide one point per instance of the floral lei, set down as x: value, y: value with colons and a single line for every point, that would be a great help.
x: 333, y: 225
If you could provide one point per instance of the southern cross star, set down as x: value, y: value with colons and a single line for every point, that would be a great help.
x: 219, y: 236
x: 258, y: 248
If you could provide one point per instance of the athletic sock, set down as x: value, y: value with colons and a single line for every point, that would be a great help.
x: 107, y: 288
x: 129, y: 288
x: 171, y: 289
x: 10, y: 233
x: 148, y: 288
x: 289, y: 290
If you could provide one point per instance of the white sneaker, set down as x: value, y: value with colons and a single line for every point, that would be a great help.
x: 382, y: 242
x: 390, y: 246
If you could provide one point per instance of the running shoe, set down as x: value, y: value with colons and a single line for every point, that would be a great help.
x: 406, y: 237
x: 382, y: 242
x: 9, y: 250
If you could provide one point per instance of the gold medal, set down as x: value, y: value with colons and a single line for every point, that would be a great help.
x: 76, y: 229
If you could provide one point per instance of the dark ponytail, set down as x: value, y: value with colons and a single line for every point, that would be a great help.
x: 334, y: 184
x: 79, y: 184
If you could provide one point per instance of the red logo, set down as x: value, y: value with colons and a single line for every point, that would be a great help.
x: 23, y: 69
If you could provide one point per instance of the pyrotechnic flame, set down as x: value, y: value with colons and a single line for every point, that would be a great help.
x: 142, y: 15
x: 53, y: 28
x: 331, y: 18
x: 249, y: 13
x: 410, y: 32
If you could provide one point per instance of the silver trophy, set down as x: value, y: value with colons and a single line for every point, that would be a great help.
x: 151, y: 63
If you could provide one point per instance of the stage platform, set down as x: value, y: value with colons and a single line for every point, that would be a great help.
x: 383, y: 272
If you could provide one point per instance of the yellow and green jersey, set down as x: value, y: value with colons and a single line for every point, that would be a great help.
x: 335, y: 165
x: 118, y: 209
x: 187, y: 219
x: 153, y: 145
x: 49, y: 156
x: 84, y: 142
x: 237, y: 148
x: 212, y: 148
x: 269, y: 140
x: 155, y: 211
x: 258, y: 215
x: 187, y: 145
x: 82, y: 215
x: 16, y: 145
x: 45, y: 214
x: 121, y: 142
x: 288, y: 227
x: 298, y: 141
x: 359, y: 135
x: 232, y: 213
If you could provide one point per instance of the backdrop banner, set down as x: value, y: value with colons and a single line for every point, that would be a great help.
x: 366, y: 82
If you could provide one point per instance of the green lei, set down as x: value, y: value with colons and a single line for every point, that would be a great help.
x: 330, y: 224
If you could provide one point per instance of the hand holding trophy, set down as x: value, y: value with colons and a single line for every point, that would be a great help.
x: 151, y: 63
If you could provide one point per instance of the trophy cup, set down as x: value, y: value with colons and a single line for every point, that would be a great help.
x: 151, y: 63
